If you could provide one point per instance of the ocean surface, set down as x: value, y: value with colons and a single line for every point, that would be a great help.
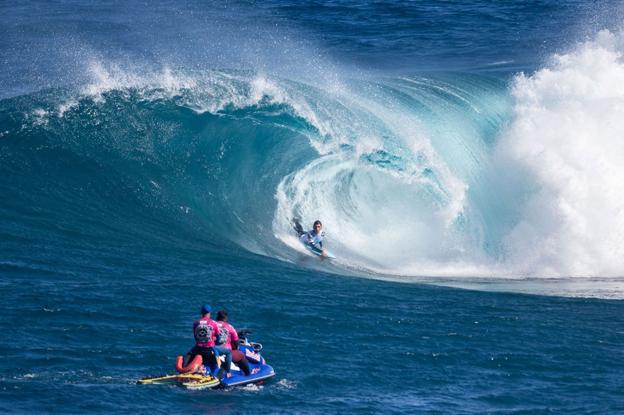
x: 466, y: 159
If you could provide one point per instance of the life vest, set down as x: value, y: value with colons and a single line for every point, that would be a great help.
x: 203, y: 332
x: 223, y: 335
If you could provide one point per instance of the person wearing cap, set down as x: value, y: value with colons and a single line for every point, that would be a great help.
x: 314, y: 237
x: 205, y: 331
x: 228, y: 339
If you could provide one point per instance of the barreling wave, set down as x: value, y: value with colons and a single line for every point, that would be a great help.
x: 438, y: 175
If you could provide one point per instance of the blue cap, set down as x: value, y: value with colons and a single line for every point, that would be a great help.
x: 206, y: 309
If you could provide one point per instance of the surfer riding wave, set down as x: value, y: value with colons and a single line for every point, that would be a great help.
x: 312, y: 239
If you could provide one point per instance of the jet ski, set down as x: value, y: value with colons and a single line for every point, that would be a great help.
x: 260, y: 370
x: 314, y: 250
x: 197, y: 374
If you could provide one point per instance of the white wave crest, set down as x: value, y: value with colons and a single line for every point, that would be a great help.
x: 568, y: 135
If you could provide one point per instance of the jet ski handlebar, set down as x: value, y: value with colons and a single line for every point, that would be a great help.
x: 243, y: 332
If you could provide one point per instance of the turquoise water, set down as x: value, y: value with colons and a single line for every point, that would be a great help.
x: 465, y: 159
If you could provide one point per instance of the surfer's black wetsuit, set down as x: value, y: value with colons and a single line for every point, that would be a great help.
x: 298, y: 227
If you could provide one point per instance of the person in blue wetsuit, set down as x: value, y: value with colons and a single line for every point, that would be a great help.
x: 314, y: 237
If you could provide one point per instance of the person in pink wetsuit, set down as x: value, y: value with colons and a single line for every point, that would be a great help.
x: 228, y: 339
x: 205, y: 331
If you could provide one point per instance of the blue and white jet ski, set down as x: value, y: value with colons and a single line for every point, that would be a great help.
x: 197, y: 374
x: 260, y: 371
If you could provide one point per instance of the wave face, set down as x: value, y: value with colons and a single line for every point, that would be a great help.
x: 447, y: 174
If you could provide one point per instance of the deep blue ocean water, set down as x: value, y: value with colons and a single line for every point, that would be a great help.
x: 465, y: 157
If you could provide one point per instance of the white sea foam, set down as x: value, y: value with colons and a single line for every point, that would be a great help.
x: 40, y: 116
x: 568, y: 135
x: 287, y: 384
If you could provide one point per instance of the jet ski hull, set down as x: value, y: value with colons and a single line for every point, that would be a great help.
x: 260, y: 371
